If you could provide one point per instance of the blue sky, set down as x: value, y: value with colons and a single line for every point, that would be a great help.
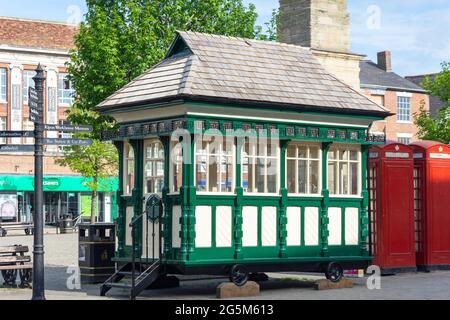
x: 416, y: 31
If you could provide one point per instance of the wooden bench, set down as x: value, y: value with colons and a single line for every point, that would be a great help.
x: 5, y: 226
x: 12, y: 261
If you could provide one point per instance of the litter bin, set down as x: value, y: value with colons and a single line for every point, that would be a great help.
x: 66, y: 224
x: 96, y: 250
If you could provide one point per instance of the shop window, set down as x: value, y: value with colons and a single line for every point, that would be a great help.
x: 129, y: 169
x: 3, y: 85
x: 154, y: 167
x: 344, y: 171
x: 214, y: 167
x: 3, y: 121
x: 260, y: 162
x: 303, y: 169
x: 28, y: 83
x: 176, y: 169
x: 66, y: 91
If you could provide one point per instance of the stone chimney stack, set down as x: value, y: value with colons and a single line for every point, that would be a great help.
x: 384, y: 61
x: 318, y: 24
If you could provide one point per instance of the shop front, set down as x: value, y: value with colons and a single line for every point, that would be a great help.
x: 63, y: 196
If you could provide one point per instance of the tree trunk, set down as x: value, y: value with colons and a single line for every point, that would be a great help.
x: 94, y: 202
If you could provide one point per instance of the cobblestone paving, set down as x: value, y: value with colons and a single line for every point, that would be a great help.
x: 62, y: 252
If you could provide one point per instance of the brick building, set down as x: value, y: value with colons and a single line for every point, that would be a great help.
x: 401, y: 96
x: 24, y: 44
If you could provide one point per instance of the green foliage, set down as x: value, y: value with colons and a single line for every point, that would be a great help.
x: 437, y: 129
x: 122, y: 39
x: 271, y: 32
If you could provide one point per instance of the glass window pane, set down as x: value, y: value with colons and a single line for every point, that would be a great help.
x: 213, y: 174
x: 272, y: 175
x: 343, y: 174
x: 314, y: 177
x: 354, y: 178
x: 314, y: 152
x: 227, y: 174
x: 260, y: 176
x: 292, y: 151
x: 353, y: 155
x: 332, y: 154
x: 302, y: 176
x: 332, y: 181
x: 290, y: 173
x: 303, y: 152
x: 201, y: 173
x: 272, y: 148
x: 344, y: 154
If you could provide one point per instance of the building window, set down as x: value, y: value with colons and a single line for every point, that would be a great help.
x: 66, y: 92
x: 404, y: 140
x: 154, y: 167
x: 260, y: 166
x: 28, y: 126
x: 214, y: 169
x: 303, y: 169
x: 2, y: 85
x: 28, y: 83
x: 176, y: 169
x: 404, y: 109
x: 344, y: 171
x: 3, y: 121
x: 129, y: 169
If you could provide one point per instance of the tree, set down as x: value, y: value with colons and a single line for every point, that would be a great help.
x: 97, y: 163
x: 118, y: 41
x: 438, y: 128
x: 271, y: 32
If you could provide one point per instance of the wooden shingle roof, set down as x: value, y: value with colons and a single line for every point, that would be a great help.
x: 218, y: 68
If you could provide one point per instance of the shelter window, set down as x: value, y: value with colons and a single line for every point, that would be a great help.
x: 303, y: 174
x: 176, y: 168
x: 154, y: 167
x: 260, y: 166
x: 344, y: 176
x: 214, y: 164
x: 129, y: 169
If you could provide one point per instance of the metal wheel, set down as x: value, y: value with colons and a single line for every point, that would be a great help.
x: 334, y: 272
x: 239, y: 275
x: 4, y: 233
x: 10, y: 277
x: 26, y: 278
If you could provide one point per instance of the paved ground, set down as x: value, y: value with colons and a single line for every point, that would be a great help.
x: 62, y: 252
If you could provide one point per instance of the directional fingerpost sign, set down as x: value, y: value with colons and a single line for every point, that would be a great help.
x: 33, y: 103
x: 16, y: 148
x: 67, y: 142
x: 67, y: 128
x: 16, y: 134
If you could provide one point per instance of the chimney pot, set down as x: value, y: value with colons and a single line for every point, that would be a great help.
x: 384, y: 61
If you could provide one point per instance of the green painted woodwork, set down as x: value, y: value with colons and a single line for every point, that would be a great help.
x: 138, y: 192
x: 324, y: 220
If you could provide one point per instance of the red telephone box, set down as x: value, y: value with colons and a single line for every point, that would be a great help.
x: 391, y: 185
x: 432, y: 204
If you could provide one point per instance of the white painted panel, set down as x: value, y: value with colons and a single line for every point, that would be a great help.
x: 311, y: 226
x: 351, y: 226
x: 335, y: 226
x: 129, y: 214
x: 224, y: 229
x: 203, y: 227
x: 269, y: 226
x: 294, y: 224
x: 250, y: 226
x: 176, y: 227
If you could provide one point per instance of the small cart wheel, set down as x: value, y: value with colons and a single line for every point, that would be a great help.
x: 10, y: 277
x: 239, y: 275
x: 334, y: 272
x: 4, y: 233
x: 25, y: 278
x: 27, y: 232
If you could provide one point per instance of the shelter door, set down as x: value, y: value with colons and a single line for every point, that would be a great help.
x: 151, y: 228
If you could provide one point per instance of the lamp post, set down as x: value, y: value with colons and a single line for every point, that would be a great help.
x: 38, y: 249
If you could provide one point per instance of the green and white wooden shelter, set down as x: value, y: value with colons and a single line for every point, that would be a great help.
x: 258, y: 154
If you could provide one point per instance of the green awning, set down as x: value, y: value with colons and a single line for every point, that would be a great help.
x: 55, y: 184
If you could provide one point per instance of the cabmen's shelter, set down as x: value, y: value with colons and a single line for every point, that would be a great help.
x: 240, y: 156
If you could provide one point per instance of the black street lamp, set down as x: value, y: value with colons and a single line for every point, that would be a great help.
x: 38, y: 252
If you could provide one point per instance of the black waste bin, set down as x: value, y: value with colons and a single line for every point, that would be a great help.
x: 96, y: 250
x: 66, y: 224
